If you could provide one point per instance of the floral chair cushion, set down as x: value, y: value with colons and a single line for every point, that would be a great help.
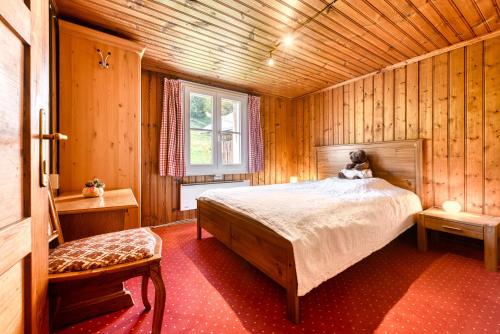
x: 102, y: 251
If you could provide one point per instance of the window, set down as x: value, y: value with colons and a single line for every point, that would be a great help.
x: 216, y: 125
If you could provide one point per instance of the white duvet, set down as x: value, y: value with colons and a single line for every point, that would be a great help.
x: 332, y: 224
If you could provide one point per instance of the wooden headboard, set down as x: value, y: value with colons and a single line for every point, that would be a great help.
x: 399, y: 162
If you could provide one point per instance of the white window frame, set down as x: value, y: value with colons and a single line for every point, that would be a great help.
x: 217, y: 168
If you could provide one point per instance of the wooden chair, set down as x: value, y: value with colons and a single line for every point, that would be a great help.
x: 76, y: 295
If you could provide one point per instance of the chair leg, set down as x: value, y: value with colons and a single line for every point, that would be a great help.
x: 155, y: 274
x: 144, y: 290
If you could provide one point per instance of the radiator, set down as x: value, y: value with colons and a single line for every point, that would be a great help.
x: 191, y: 191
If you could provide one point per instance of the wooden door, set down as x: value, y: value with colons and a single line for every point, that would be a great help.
x: 23, y: 203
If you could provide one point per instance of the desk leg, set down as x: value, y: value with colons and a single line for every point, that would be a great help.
x: 491, y: 248
x: 421, y: 234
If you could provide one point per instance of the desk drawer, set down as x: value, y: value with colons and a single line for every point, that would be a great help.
x: 457, y: 228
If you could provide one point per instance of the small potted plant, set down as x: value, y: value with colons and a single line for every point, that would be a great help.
x: 93, y: 188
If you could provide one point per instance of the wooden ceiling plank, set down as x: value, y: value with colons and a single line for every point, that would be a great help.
x: 252, y: 75
x: 327, y: 28
x: 397, y: 19
x: 490, y: 11
x: 455, y: 17
x: 303, y: 58
x: 430, y: 22
x: 340, y: 43
x: 203, y: 68
x: 327, y: 76
x: 172, y: 72
x: 472, y: 15
x: 256, y: 19
x: 307, y: 48
x: 255, y: 75
x: 242, y: 36
x: 407, y: 14
x: 425, y: 9
x: 304, y: 47
x: 366, y: 19
x: 200, y: 76
x: 480, y: 14
x: 187, y: 62
x: 387, y: 24
x: 445, y: 20
x: 360, y: 30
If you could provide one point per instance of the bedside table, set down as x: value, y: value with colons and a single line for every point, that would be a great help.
x: 466, y: 224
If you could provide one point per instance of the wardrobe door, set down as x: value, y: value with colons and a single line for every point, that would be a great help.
x: 100, y: 111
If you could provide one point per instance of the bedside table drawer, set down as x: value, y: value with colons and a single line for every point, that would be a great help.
x: 443, y: 225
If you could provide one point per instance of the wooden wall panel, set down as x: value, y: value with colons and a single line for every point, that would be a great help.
x: 389, y: 105
x: 456, y: 126
x: 378, y: 105
x: 492, y: 127
x: 400, y: 104
x: 284, y: 151
x: 368, y: 109
x: 474, y: 125
x: 440, y: 128
x: 451, y: 101
x: 425, y: 125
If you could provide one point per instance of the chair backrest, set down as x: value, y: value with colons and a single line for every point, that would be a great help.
x: 54, y: 224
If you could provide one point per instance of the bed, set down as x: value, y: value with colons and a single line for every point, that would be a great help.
x: 300, y: 235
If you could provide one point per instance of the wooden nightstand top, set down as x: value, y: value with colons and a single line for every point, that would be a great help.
x: 464, y: 217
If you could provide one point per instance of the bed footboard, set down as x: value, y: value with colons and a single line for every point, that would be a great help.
x: 259, y: 245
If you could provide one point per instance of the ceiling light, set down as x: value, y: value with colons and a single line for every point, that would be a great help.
x: 288, y: 40
x: 270, y: 60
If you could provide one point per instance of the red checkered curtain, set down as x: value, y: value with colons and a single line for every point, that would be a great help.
x: 172, y: 132
x: 255, y: 140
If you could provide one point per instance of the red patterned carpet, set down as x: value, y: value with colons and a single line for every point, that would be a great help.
x: 396, y: 290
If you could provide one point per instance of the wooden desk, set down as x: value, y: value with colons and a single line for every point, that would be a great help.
x: 83, y: 217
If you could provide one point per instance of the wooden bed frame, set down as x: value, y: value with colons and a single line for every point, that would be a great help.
x: 399, y: 162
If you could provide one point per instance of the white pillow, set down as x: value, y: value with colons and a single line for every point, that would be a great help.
x: 362, y: 174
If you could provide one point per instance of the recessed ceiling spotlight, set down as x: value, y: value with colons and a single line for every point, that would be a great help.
x: 288, y: 40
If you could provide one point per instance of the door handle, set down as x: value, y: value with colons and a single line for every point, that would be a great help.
x: 44, y: 150
x: 55, y: 136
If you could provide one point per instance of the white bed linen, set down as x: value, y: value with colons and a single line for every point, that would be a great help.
x: 332, y: 223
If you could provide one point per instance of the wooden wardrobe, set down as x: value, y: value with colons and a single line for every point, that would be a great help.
x: 100, y: 111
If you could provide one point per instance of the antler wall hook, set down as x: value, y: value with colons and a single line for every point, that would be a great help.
x: 104, y: 60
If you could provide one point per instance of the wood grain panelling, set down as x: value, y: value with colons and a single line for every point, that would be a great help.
x: 160, y: 195
x: 450, y: 100
x: 340, y: 40
x: 492, y: 126
x: 99, y: 111
x: 474, y: 124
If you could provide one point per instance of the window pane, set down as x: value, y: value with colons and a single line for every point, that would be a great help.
x: 231, y: 148
x: 201, y: 147
x: 200, y: 111
x: 231, y: 115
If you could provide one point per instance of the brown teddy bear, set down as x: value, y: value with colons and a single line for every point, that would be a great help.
x: 359, y: 162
